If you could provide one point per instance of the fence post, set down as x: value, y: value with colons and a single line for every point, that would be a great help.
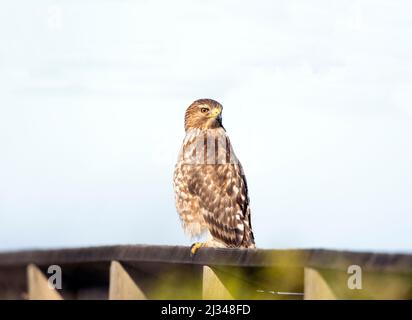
x: 122, y: 286
x: 38, y: 285
x: 316, y: 288
x: 213, y: 287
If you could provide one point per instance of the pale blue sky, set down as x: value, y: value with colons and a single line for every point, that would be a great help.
x: 317, y: 101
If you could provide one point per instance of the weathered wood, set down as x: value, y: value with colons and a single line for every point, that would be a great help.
x: 163, y: 272
x: 213, y: 286
x: 166, y: 254
x: 316, y: 287
x: 122, y: 286
x: 38, y: 286
x: 337, y: 260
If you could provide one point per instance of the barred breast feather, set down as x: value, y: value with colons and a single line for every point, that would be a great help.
x: 211, y: 190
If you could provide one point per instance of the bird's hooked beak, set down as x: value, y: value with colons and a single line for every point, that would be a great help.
x: 216, y: 113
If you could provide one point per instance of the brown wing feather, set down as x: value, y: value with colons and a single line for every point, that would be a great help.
x: 223, y: 199
x: 213, y: 195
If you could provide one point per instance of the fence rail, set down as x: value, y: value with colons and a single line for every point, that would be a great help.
x: 169, y: 272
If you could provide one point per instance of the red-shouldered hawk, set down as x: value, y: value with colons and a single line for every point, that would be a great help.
x: 210, y: 186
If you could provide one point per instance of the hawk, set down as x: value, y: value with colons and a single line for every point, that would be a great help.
x: 210, y: 186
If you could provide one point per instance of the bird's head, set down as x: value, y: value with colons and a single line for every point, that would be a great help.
x: 204, y: 114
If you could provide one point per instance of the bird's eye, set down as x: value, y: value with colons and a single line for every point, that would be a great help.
x: 204, y: 110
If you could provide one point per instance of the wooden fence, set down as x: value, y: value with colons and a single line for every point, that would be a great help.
x: 169, y: 272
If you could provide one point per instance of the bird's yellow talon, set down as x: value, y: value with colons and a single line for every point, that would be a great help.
x: 196, y: 246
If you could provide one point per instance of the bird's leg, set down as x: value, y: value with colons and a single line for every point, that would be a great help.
x: 211, y: 243
x: 195, y: 247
